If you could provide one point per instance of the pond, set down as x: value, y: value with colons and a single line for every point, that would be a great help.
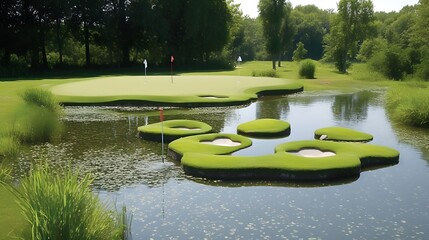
x: 384, y: 203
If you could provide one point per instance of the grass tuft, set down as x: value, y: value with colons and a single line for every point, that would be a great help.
x: 63, y: 207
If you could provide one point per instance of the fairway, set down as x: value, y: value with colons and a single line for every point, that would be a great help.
x: 176, y: 90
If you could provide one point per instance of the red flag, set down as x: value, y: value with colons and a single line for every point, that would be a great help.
x: 172, y: 59
x: 161, y: 114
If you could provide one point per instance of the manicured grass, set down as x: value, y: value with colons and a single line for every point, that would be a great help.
x: 179, y: 90
x: 172, y: 130
x: 342, y: 134
x: 264, y: 128
x: 326, y: 76
x: 177, y: 148
x: 348, y: 160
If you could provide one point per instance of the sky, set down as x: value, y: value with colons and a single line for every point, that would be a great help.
x: 250, y: 7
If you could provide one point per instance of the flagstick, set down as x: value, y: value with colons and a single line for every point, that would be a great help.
x: 162, y: 140
x: 161, y: 118
x: 171, y: 70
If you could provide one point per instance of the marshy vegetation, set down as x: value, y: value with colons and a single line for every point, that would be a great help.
x: 409, y: 103
x: 59, y: 205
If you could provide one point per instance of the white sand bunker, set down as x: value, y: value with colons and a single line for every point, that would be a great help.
x: 313, y: 153
x: 212, y: 97
x: 186, y: 129
x: 222, y: 142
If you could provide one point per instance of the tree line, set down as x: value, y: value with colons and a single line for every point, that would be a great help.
x: 46, y: 34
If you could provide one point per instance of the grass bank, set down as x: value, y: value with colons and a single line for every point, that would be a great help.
x: 408, y: 103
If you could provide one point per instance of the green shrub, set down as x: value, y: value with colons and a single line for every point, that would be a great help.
x: 409, y: 104
x: 307, y: 69
x: 265, y: 73
x: 63, y: 207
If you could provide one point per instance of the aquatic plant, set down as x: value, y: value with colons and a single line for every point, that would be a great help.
x: 60, y: 206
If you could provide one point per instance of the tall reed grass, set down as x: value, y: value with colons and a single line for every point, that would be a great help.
x: 9, y: 147
x: 409, y: 104
x: 37, y: 120
x: 5, y: 174
x: 60, y: 206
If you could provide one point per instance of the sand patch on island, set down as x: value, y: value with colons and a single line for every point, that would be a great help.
x: 313, y: 153
x: 222, y: 142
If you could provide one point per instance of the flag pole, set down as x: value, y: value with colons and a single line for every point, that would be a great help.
x: 145, y: 67
x: 171, y: 68
x: 161, y: 118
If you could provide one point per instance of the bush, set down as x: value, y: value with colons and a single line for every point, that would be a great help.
x: 62, y: 207
x: 409, y: 104
x: 265, y: 73
x: 370, y: 47
x: 307, y: 69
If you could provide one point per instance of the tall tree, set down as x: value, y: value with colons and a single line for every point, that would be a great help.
x: 349, y: 28
x: 287, y: 32
x: 271, y: 13
x: 86, y: 13
x: 312, y: 25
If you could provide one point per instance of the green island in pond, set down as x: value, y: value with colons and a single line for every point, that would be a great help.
x: 342, y: 134
x: 297, y: 161
x: 172, y: 130
x: 172, y: 91
x: 264, y: 128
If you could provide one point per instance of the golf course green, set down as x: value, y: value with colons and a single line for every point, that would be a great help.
x: 172, y: 90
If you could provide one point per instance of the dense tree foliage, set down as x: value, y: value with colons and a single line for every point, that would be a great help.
x: 45, y: 33
x: 312, y: 25
x: 401, y: 48
x: 349, y: 28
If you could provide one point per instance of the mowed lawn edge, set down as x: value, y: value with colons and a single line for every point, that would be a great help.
x: 177, y: 90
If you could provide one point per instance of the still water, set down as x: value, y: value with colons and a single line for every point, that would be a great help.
x: 384, y: 203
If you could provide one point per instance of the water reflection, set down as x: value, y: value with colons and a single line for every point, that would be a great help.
x: 352, y: 107
x: 272, y: 107
x: 387, y: 203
